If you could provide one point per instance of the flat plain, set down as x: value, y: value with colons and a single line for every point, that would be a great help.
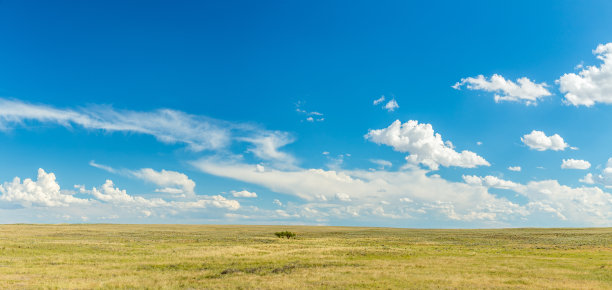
x: 207, y: 256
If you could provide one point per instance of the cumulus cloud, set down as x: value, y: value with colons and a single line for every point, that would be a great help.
x: 104, y: 201
x: 168, y: 126
x: 539, y: 141
x: 343, y: 196
x: 45, y: 191
x: 514, y: 168
x: 405, y: 199
x: 580, y: 205
x: 170, y: 181
x: 391, y: 105
x: 604, y: 177
x: 592, y: 84
x: 490, y: 181
x: 588, y: 179
x: 317, y: 116
x: 243, y: 193
x: 575, y: 164
x: 424, y: 145
x: 111, y: 194
x: 524, y: 90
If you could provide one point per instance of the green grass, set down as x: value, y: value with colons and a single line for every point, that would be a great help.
x: 181, y: 256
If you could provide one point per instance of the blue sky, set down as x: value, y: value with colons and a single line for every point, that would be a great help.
x: 264, y: 113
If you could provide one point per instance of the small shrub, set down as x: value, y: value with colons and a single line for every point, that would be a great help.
x: 285, y: 234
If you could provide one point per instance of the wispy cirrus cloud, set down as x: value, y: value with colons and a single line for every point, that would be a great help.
x: 198, y: 133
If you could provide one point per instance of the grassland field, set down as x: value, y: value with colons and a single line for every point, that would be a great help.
x: 207, y: 256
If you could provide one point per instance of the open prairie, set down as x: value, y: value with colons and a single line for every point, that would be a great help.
x: 186, y: 256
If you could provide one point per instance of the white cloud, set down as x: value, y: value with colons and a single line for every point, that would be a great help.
x: 514, y: 168
x: 103, y: 167
x: 343, y: 196
x: 588, y: 179
x: 45, y: 191
x: 109, y: 193
x: 405, y: 199
x: 379, y: 100
x: 424, y: 145
x: 266, y: 147
x: 603, y: 178
x: 423, y: 197
x: 539, y: 141
x: 107, y: 200
x: 575, y: 164
x: 490, y: 181
x: 580, y: 206
x: 243, y: 193
x: 168, y: 126
x: 310, y: 115
x: 359, y: 193
x: 381, y: 163
x: 336, y: 162
x: 277, y: 202
x: 391, y: 105
x: 171, y: 181
x: 524, y: 90
x: 592, y: 84
x: 119, y: 197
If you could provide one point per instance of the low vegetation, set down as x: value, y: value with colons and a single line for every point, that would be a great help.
x: 181, y: 256
x: 285, y: 234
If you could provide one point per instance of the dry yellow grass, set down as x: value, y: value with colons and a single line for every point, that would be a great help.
x: 182, y: 256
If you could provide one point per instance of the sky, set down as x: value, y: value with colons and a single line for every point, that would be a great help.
x: 428, y: 114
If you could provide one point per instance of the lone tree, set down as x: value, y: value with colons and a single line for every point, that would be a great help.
x: 285, y: 234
